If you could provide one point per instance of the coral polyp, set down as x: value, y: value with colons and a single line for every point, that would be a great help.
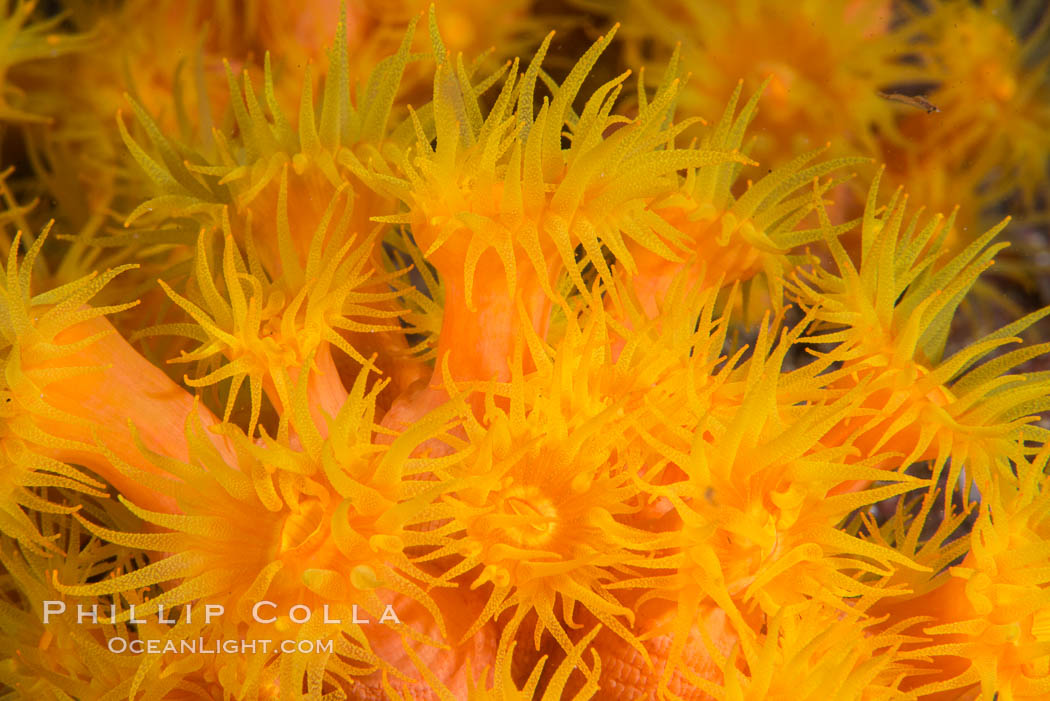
x: 825, y: 63
x: 343, y: 356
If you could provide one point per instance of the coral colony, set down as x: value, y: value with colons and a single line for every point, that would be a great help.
x: 688, y: 351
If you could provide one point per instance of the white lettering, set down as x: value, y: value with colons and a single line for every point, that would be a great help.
x: 161, y: 618
x: 82, y: 614
x: 133, y: 619
x: 259, y: 605
x: 212, y: 611
x: 53, y: 608
x: 389, y: 615
x: 299, y: 607
x: 327, y: 619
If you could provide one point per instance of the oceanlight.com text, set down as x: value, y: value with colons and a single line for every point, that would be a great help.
x: 200, y: 646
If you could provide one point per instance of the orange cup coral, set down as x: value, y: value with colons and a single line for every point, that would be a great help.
x: 473, y: 410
